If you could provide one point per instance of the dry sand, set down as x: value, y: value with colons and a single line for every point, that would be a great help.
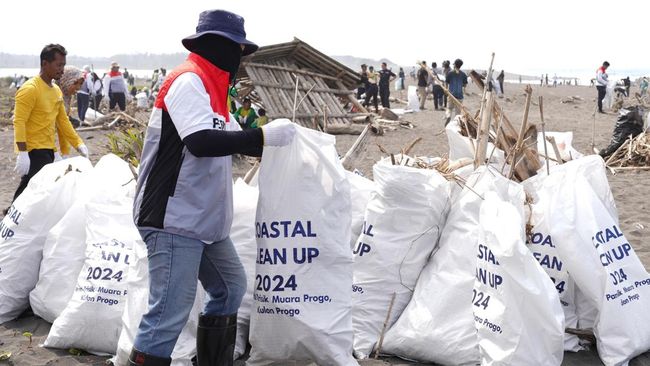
x: 630, y: 191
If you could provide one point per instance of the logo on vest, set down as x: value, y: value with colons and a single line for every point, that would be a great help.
x: 218, y: 123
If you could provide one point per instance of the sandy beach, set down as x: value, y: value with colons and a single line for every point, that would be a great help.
x: 630, y: 189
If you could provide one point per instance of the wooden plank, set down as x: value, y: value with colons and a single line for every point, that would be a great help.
x: 291, y: 69
x: 301, y: 88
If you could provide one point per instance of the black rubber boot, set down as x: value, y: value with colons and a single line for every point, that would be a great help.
x: 138, y: 358
x: 215, y: 340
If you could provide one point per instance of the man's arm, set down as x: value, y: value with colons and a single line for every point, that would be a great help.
x: 25, y: 101
x: 213, y: 143
x: 67, y: 134
x: 188, y: 105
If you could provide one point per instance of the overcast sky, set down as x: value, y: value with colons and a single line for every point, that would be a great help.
x: 526, y: 35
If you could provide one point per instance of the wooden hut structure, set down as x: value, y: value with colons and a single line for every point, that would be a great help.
x: 281, y: 76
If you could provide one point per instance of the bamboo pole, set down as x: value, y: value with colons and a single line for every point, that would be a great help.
x: 483, y: 131
x: 551, y: 139
x: 522, y: 130
x: 541, y: 114
x: 295, y: 98
x: 485, y: 93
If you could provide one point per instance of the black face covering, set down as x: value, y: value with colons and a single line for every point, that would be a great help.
x: 221, y: 52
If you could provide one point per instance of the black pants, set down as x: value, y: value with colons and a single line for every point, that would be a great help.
x: 437, y: 96
x: 83, y: 100
x: 371, y: 92
x: 119, y: 99
x: 360, y: 92
x: 384, y: 93
x: 444, y: 100
x: 602, y: 90
x: 96, y: 101
x: 38, y: 158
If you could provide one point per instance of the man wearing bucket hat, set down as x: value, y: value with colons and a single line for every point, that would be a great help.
x: 183, y: 204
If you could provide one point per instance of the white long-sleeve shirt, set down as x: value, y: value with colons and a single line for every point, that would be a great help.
x: 601, y: 77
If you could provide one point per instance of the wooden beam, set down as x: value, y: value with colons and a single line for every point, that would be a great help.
x: 289, y: 69
x: 301, y: 88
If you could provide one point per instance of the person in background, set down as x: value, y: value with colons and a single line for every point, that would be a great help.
x: 601, y: 84
x: 261, y: 120
x: 436, y: 88
x: 154, y: 78
x: 183, y: 203
x: 402, y: 78
x: 457, y: 80
x: 555, y: 80
x: 371, y: 90
x: 386, y: 77
x: 643, y: 86
x: 39, y: 112
x: 245, y: 115
x: 446, y: 68
x: 501, y: 79
x: 363, y: 77
x: 423, y: 81
x: 115, y: 88
x: 96, y: 91
x: 83, y: 95
x: 126, y: 74
x: 627, y: 84
x: 70, y: 82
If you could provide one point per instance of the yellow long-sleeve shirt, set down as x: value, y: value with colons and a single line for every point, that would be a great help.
x: 40, y: 114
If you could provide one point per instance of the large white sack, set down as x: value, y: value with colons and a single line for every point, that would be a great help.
x: 563, y: 141
x: 592, y: 168
x: 403, y: 221
x: 137, y: 303
x: 23, y: 231
x: 92, y: 116
x: 603, y: 265
x: 242, y: 235
x: 65, y: 245
x: 542, y: 245
x: 101, y: 289
x: 463, y: 147
x: 517, y: 310
x: 438, y: 323
x: 413, y: 98
x: 303, y: 285
x: 360, y: 191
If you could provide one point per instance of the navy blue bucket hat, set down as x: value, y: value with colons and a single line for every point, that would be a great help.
x: 222, y: 23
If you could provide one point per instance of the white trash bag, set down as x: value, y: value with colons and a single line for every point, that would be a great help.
x: 463, y: 147
x: 603, y: 265
x: 401, y: 228
x: 413, y: 99
x: 303, y: 284
x: 517, y: 310
x: 101, y: 289
x: 542, y: 245
x: 137, y: 303
x: 65, y: 246
x: 438, y: 324
x: 242, y: 235
x: 360, y: 191
x: 23, y: 231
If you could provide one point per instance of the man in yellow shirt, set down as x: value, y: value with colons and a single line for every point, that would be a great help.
x: 39, y: 112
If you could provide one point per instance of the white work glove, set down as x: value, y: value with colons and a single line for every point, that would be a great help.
x: 83, y: 151
x: 279, y: 132
x: 57, y: 156
x: 22, y: 163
